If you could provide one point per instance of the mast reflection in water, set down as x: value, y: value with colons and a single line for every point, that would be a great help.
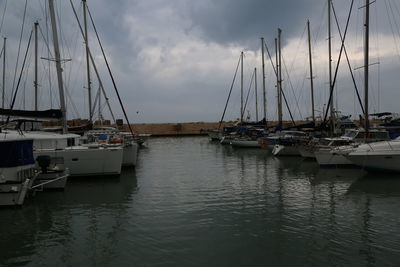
x: 191, y: 202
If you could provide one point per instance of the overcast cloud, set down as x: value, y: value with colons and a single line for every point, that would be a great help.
x: 174, y: 61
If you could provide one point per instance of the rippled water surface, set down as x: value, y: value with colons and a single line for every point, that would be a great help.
x: 191, y: 202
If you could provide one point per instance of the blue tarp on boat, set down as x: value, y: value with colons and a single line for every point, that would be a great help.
x: 16, y: 153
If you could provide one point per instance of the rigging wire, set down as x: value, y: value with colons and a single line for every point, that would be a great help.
x: 322, y: 18
x: 45, y: 42
x: 375, y: 93
x: 283, y: 93
x: 342, y: 48
x: 248, y: 93
x: 19, y: 47
x: 394, y: 18
x: 291, y: 86
x: 25, y: 75
x: 291, y: 69
x: 391, y: 28
x: 345, y: 52
x: 94, y: 65
x: 2, y: 17
x: 229, y: 95
x: 19, y: 79
x: 109, y: 71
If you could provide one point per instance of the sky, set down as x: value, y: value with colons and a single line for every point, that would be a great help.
x: 174, y: 61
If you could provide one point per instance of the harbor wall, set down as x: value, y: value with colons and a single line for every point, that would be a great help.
x: 180, y: 129
x: 167, y: 129
x: 174, y: 129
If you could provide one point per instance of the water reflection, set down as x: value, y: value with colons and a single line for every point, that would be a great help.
x: 63, y: 222
x: 382, y: 185
x: 196, y: 203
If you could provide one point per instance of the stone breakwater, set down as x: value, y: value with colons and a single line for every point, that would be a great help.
x: 166, y: 129
x: 174, y: 129
x: 184, y: 128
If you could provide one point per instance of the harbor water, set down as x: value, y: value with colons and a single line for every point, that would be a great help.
x: 192, y: 202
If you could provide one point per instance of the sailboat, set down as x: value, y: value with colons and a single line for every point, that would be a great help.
x: 248, y: 134
x: 381, y: 155
x: 112, y: 137
x: 105, y: 136
x: 242, y: 134
x: 80, y: 160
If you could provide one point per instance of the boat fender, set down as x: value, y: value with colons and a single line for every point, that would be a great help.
x: 115, y: 141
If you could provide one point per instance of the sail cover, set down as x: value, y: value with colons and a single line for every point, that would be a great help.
x: 43, y: 114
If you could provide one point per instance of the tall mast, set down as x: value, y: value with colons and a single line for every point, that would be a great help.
x: 366, y: 67
x: 255, y: 89
x: 330, y: 67
x: 94, y: 65
x: 263, y: 79
x: 100, y: 115
x: 89, y: 86
x: 58, y: 65
x: 279, y: 78
x: 311, y: 72
x: 35, y: 82
x: 4, y: 73
x: 241, y: 87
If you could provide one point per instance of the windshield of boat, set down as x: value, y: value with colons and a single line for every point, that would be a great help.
x: 324, y: 142
x: 350, y: 134
x: 340, y: 143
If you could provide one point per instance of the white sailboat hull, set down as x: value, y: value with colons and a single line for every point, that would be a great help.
x: 130, y: 152
x: 84, y: 161
x: 325, y: 158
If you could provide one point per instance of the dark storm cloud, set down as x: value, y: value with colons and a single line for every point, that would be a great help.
x: 174, y: 60
x: 242, y: 21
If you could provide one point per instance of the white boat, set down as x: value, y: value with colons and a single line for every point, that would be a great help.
x: 80, y: 160
x: 332, y: 154
x: 111, y: 137
x: 287, y: 143
x: 327, y: 158
x: 227, y: 139
x: 88, y: 161
x: 378, y: 156
x: 17, y: 169
x: 285, y: 150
